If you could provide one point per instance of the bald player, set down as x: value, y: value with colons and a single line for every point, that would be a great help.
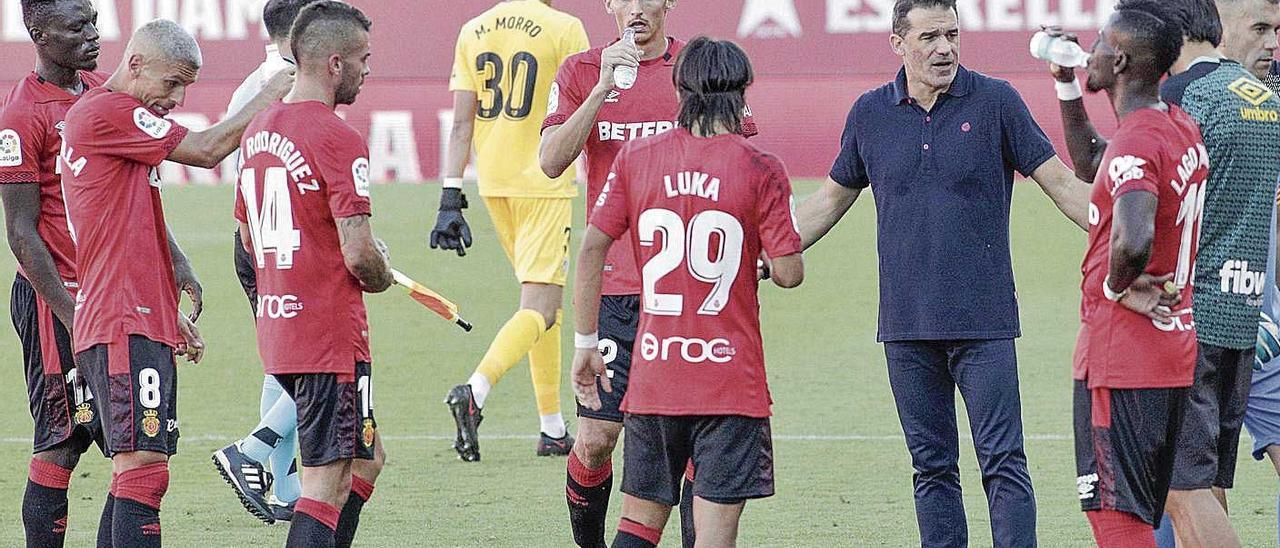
x: 127, y: 327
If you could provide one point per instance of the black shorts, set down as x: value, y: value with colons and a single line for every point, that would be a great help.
x: 246, y: 273
x: 732, y: 454
x: 1125, y: 442
x: 619, y: 319
x: 63, y: 410
x: 1210, y: 436
x: 335, y: 414
x: 136, y: 385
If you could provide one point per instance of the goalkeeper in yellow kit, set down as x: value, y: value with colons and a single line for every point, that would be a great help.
x: 504, y: 68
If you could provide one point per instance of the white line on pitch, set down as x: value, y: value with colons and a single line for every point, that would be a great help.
x: 530, y: 437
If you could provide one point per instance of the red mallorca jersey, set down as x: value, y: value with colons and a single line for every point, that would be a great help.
x: 31, y: 124
x: 304, y: 168
x: 650, y: 107
x: 1158, y: 152
x: 697, y: 213
x: 112, y: 145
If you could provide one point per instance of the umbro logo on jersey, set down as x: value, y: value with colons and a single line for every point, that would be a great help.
x: 1250, y: 90
x: 613, y: 96
x: 1124, y: 169
x: 1085, y: 486
x: 769, y: 19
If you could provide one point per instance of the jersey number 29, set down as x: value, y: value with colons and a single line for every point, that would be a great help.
x: 711, y: 245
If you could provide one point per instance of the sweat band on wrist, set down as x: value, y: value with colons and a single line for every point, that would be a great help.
x: 451, y: 182
x: 1068, y: 91
x: 586, y: 342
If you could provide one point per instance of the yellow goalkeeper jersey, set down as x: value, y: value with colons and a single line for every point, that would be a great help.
x: 509, y: 56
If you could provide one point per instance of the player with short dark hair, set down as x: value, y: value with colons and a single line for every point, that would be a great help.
x: 42, y: 300
x: 127, y: 326
x: 303, y: 206
x: 589, y: 114
x: 1217, y: 85
x: 1135, y: 355
x: 702, y: 196
x: 275, y: 438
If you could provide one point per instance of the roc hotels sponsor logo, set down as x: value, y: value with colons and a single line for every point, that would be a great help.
x: 278, y: 306
x: 1238, y: 279
x: 689, y: 350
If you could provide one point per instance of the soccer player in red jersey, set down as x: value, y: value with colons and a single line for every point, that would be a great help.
x: 1136, y: 351
x: 127, y: 324
x: 700, y: 205
x: 303, y: 206
x: 588, y: 113
x: 42, y: 303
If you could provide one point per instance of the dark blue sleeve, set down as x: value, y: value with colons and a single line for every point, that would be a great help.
x: 849, y: 170
x: 1024, y: 144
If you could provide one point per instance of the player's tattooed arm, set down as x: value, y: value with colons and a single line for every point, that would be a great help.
x: 1067, y: 191
x: 209, y: 147
x: 818, y: 213
x: 185, y: 275
x: 365, y: 256
x: 22, y: 216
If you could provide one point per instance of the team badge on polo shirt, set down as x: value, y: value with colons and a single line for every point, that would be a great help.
x: 150, y: 423
x: 10, y: 148
x: 151, y: 124
x: 360, y: 174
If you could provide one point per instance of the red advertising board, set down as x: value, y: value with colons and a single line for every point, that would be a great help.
x: 813, y: 58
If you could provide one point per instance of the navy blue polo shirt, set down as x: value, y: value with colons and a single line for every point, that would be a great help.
x: 942, y: 182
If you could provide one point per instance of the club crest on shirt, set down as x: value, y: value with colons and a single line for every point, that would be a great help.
x: 360, y: 175
x: 368, y: 432
x: 151, y: 124
x: 10, y: 148
x: 151, y: 423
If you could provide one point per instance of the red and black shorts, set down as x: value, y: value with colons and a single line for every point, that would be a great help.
x: 335, y: 414
x: 136, y: 385
x: 63, y: 409
x: 732, y: 454
x: 619, y: 320
x: 1125, y: 442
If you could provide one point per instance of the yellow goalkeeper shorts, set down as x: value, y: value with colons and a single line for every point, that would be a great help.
x: 535, y: 234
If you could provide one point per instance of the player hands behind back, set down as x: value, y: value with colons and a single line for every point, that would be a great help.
x: 315, y: 256
x: 43, y: 303
x: 531, y: 212
x: 127, y: 325
x: 1136, y: 351
x: 700, y: 204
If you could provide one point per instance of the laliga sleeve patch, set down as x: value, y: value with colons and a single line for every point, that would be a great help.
x: 553, y: 102
x: 149, y: 123
x: 360, y: 175
x: 10, y: 148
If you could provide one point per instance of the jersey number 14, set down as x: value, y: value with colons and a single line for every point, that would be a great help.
x: 271, y: 225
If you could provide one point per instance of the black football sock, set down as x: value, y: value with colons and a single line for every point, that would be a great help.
x: 349, y: 519
x: 633, y: 534
x: 44, y: 505
x: 104, y: 523
x: 313, y: 525
x: 135, y: 519
x: 687, y: 535
x: 587, y: 492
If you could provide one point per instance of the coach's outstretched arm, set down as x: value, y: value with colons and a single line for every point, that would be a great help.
x: 365, y: 256
x: 1068, y: 192
x: 818, y: 213
x: 209, y: 147
x: 561, y: 144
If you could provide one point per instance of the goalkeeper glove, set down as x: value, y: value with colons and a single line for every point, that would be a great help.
x: 1268, y: 346
x: 451, y: 231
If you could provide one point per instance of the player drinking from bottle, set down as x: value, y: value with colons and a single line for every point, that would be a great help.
x: 699, y: 205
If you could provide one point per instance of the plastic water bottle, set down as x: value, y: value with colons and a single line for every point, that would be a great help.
x: 623, y: 76
x: 1058, y: 50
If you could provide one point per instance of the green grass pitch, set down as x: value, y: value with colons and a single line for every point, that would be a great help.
x: 843, y: 472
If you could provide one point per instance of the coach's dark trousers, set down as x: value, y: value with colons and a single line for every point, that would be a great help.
x: 924, y: 376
